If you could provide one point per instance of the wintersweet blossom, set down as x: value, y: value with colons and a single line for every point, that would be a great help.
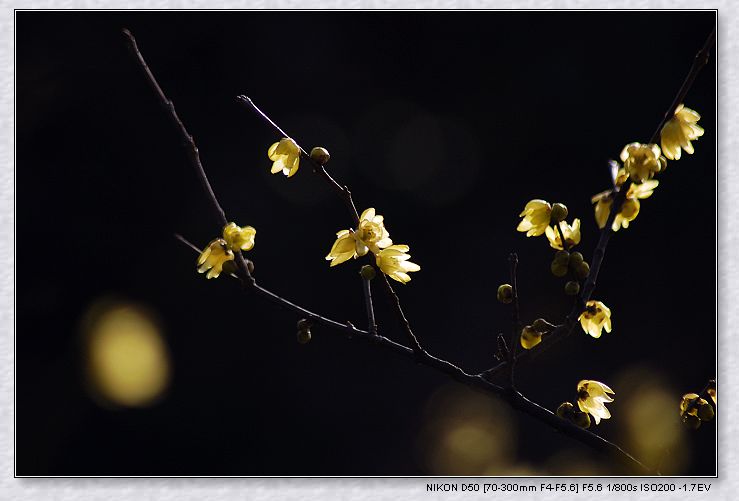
x: 572, y: 234
x: 592, y: 397
x: 642, y: 161
x: 394, y: 262
x: 595, y: 317
x: 239, y: 238
x: 536, y: 217
x: 212, y: 259
x: 629, y: 209
x: 286, y: 156
x: 371, y: 234
x: 344, y: 248
x: 679, y: 131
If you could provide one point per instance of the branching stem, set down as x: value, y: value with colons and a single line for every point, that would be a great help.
x: 416, y: 352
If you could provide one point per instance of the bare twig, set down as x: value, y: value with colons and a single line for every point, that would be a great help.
x: 367, y: 288
x: 342, y: 191
x: 192, y: 150
x: 515, y: 318
x: 475, y: 381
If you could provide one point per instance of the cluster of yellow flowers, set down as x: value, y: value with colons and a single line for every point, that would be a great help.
x: 537, y: 217
x: 372, y: 236
x: 642, y: 161
x: 221, y: 250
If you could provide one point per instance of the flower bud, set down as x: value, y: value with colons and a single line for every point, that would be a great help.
x: 562, y: 257
x: 250, y: 265
x: 559, y: 212
x: 572, y: 288
x: 581, y: 419
x: 565, y: 409
x: 529, y: 337
x: 705, y: 411
x: 320, y: 155
x: 582, y: 271
x: 558, y: 269
x: 367, y: 272
x: 304, y: 324
x: 692, y: 422
x: 541, y: 325
x: 304, y: 336
x: 575, y: 259
x: 505, y: 294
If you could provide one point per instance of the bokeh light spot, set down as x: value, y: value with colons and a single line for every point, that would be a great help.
x: 128, y: 361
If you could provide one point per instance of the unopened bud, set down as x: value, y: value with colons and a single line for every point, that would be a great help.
x: 367, y: 271
x: 562, y: 257
x: 559, y: 269
x: 582, y: 271
x: 250, y: 265
x: 581, y: 419
x: 705, y: 411
x: 559, y: 212
x: 575, y: 259
x: 304, y: 324
x: 541, y: 325
x: 505, y: 293
x: 320, y: 155
x: 565, y: 409
x: 572, y: 288
x: 304, y: 336
x: 692, y: 422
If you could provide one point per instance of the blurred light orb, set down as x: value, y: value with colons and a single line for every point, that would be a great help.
x: 128, y: 361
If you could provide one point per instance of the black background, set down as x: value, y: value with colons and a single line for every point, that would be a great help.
x: 446, y: 122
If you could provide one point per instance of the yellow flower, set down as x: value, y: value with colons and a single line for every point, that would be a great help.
x: 679, y: 131
x: 529, y: 337
x: 687, y: 400
x: 592, y: 397
x: 572, y: 234
x: 343, y: 249
x: 239, y: 238
x: 213, y: 258
x: 642, y: 161
x: 370, y: 236
x: 286, y: 156
x: 393, y: 261
x: 536, y: 216
x: 595, y: 317
x: 630, y: 207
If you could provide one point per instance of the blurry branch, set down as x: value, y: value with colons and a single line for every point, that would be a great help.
x: 416, y: 352
x: 564, y: 330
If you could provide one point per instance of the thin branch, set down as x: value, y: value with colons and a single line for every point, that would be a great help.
x: 367, y: 288
x: 419, y: 352
x: 515, y: 317
x: 189, y: 143
x: 476, y: 381
x: 342, y: 191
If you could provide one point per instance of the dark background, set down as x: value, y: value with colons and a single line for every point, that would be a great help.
x: 446, y: 122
